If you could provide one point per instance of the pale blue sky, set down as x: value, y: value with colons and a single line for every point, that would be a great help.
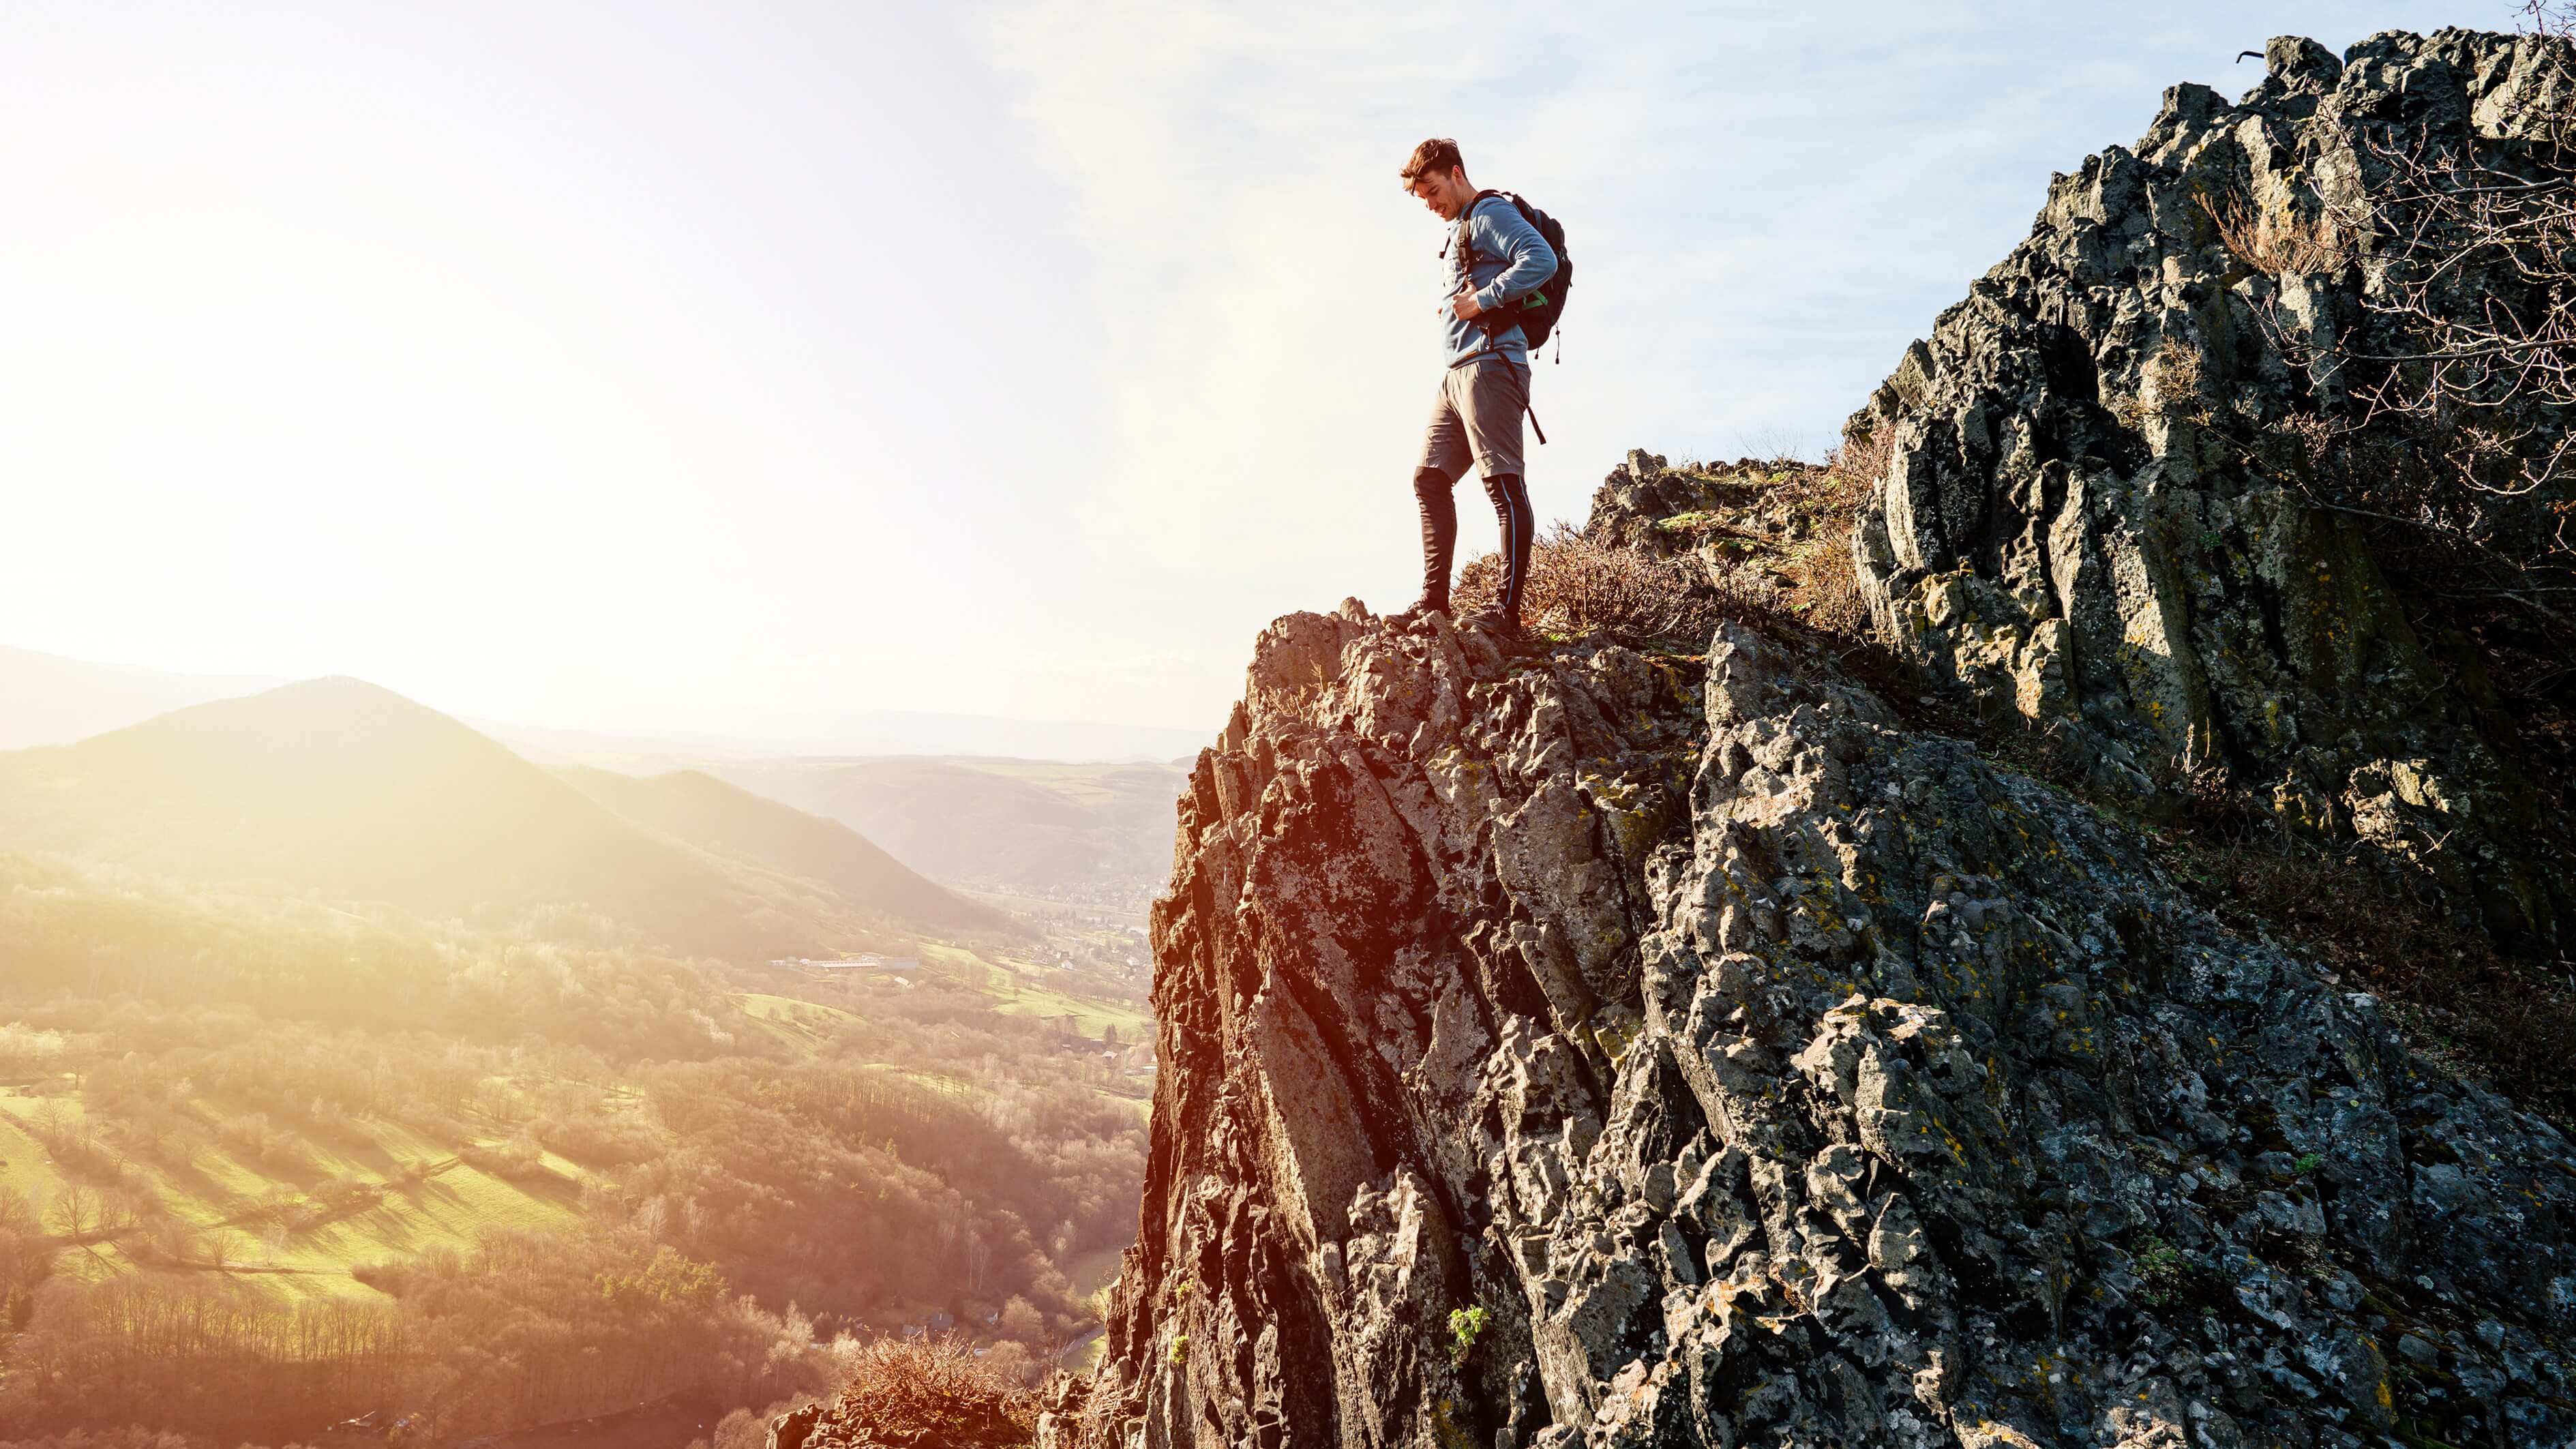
x: 643, y: 367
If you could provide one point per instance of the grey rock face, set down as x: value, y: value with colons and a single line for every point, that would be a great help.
x: 2078, y: 524
x: 1769, y: 1074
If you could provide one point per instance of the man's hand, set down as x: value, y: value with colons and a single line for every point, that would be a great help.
x: 1464, y: 304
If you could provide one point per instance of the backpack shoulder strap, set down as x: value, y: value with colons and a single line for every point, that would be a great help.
x: 1467, y: 247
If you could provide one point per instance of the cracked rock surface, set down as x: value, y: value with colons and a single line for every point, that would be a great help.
x: 1763, y: 1072
x: 2085, y: 520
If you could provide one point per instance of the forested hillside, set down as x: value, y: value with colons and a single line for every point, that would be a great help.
x: 267, y: 1164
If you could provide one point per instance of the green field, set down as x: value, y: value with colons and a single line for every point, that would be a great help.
x: 802, y: 1025
x: 215, y: 1198
x: 274, y: 1230
x: 1019, y: 989
x: 1089, y: 1017
x: 1129, y: 1101
x: 21, y: 1156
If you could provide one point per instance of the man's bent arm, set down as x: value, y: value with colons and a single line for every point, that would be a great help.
x: 1507, y: 233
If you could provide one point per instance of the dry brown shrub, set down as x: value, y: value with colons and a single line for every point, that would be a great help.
x: 1826, y: 584
x: 1579, y: 587
x: 2177, y: 367
x: 932, y: 1390
x: 1828, y: 588
x: 1092, y: 1409
x: 1859, y: 461
x: 2273, y: 243
x: 1780, y: 554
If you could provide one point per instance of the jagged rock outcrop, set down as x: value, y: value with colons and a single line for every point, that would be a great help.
x: 2090, y: 517
x: 1592, y: 1045
x: 1766, y: 1072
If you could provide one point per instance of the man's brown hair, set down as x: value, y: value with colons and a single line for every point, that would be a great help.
x: 1434, y: 157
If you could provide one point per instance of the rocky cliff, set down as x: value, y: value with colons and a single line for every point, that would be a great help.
x: 1621, y: 1048
x: 1691, y: 1043
x: 2122, y: 500
x: 1614, y: 1046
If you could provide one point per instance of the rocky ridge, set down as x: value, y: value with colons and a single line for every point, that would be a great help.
x: 1620, y: 1048
x: 1683, y: 1045
x: 1617, y: 1048
x: 2101, y: 512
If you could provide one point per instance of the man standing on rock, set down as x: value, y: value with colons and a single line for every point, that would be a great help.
x: 1494, y: 258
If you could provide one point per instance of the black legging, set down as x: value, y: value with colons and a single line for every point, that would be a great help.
x: 1440, y: 535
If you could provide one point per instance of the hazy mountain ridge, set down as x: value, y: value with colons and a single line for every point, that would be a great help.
x: 727, y: 820
x: 851, y: 734
x: 1022, y: 825
x: 344, y: 788
x: 1065, y: 811
x: 867, y: 732
x: 46, y: 699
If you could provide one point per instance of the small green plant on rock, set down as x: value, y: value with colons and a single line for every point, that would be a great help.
x: 2162, y: 1269
x: 1180, y: 1347
x: 1465, y: 1324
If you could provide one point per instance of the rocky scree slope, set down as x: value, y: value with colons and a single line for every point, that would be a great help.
x: 2114, y: 504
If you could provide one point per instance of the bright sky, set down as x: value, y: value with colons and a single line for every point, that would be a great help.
x: 642, y: 366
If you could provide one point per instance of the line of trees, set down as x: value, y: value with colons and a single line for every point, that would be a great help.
x: 530, y: 1328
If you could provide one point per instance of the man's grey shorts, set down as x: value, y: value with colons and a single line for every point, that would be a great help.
x: 1477, y: 419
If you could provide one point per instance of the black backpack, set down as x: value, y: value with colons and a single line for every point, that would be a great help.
x: 1536, y: 314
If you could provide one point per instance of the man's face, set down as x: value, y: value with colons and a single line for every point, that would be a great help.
x: 1445, y: 193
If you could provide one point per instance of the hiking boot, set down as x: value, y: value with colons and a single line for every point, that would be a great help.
x: 1420, y: 609
x: 1494, y: 622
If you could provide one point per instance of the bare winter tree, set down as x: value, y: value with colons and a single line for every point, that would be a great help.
x: 18, y: 1217
x: 52, y: 1124
x: 2476, y: 268
x: 75, y: 1209
x: 2446, y: 404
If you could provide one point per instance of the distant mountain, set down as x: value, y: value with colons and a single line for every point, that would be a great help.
x: 864, y: 733
x: 350, y: 791
x: 732, y: 822
x: 49, y: 700
x: 1027, y: 825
